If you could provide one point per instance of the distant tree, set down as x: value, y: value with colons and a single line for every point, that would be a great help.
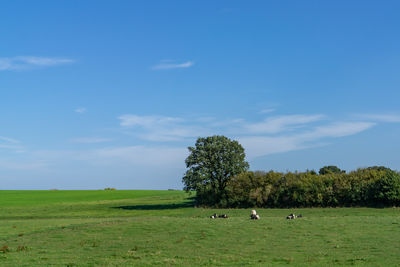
x: 212, y: 162
x: 311, y: 172
x: 330, y: 169
x: 379, y: 168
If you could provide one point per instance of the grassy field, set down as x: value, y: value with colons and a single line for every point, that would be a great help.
x: 145, y: 228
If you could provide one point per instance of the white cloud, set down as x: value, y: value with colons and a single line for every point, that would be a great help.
x: 268, y: 110
x: 272, y: 135
x: 159, y: 128
x: 91, y: 140
x: 129, y: 120
x: 257, y: 146
x: 10, y: 140
x: 140, y: 155
x: 278, y: 124
x: 10, y: 143
x: 44, y: 61
x: 278, y: 134
x: 22, y: 165
x: 29, y: 62
x: 338, y: 129
x: 80, y: 110
x: 9, y: 146
x: 132, y: 156
x: 205, y: 119
x: 168, y: 66
x: 394, y: 118
x: 15, y: 147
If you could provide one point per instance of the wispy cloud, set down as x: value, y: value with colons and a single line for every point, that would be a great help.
x: 164, y: 140
x: 29, y: 62
x: 278, y: 124
x: 257, y: 146
x: 267, y: 110
x: 10, y: 140
x: 10, y: 144
x: 394, y: 118
x: 160, y: 128
x: 172, y: 65
x: 140, y: 155
x: 91, y: 140
x: 338, y: 129
x: 129, y: 120
x: 22, y: 165
x: 80, y: 110
x: 137, y: 156
x: 274, y: 134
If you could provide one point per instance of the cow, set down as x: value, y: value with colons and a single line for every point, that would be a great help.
x: 291, y: 216
x: 214, y: 216
x: 254, y: 216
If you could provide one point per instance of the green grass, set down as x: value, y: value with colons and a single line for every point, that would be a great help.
x: 146, y: 228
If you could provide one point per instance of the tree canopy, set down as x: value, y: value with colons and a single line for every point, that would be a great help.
x: 330, y: 169
x: 212, y: 162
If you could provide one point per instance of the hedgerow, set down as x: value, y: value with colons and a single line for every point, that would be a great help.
x: 373, y: 186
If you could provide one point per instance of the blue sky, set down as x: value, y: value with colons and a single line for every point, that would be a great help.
x: 98, y: 94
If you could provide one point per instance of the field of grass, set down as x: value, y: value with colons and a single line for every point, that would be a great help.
x: 146, y: 228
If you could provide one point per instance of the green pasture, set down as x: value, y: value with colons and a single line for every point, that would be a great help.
x: 146, y: 228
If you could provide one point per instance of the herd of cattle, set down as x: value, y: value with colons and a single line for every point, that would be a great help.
x: 255, y: 216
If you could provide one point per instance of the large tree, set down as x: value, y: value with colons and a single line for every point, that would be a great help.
x: 212, y: 162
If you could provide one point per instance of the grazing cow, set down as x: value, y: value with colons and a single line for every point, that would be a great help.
x: 254, y: 216
x: 224, y: 216
x: 291, y: 216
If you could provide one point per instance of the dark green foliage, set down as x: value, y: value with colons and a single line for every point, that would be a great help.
x: 330, y: 169
x: 387, y: 189
x: 212, y: 163
x: 374, y: 186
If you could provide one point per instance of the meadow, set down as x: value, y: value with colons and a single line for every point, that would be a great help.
x: 146, y: 228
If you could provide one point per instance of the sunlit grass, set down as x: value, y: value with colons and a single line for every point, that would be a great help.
x: 145, y: 228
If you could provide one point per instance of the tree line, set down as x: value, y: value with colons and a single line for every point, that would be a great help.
x: 219, y: 174
x: 372, y: 186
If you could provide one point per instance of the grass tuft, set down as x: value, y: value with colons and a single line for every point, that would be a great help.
x: 4, y: 249
x: 22, y: 248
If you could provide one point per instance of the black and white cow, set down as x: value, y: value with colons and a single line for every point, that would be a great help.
x: 254, y: 215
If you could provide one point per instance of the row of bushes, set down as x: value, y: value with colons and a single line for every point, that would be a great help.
x: 373, y: 186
